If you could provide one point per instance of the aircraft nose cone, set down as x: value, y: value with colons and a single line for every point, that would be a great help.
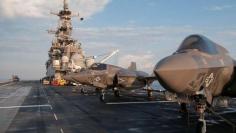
x: 176, y: 72
x: 73, y: 77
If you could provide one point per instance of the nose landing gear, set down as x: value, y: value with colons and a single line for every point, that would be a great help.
x: 201, y: 126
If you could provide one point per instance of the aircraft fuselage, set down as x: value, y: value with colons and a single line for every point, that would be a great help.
x: 198, y: 65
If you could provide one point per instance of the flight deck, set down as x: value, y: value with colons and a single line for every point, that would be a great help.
x: 28, y: 106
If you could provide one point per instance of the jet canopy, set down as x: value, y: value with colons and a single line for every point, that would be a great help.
x: 200, y: 43
x: 98, y: 66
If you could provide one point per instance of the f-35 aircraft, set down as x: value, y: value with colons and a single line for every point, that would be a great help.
x: 198, y: 71
x: 105, y: 76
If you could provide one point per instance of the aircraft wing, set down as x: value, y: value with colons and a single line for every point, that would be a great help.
x: 148, y: 79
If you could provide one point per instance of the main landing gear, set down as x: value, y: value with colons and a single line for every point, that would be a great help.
x: 149, y: 93
x: 116, y: 92
x: 102, y: 95
x: 82, y: 90
x: 149, y: 89
x: 183, y: 108
x: 200, y: 107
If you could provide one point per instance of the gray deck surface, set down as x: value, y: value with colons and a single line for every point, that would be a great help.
x: 27, y: 107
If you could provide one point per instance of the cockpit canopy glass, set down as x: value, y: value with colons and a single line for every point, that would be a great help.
x: 98, y: 66
x: 200, y: 43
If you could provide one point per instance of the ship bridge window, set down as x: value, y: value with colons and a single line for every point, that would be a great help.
x: 200, y: 43
x: 98, y: 66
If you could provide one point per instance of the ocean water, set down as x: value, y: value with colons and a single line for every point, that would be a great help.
x: 156, y: 86
x: 4, y: 80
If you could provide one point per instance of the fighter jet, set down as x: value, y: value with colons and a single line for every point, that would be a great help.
x: 106, y: 76
x: 198, y: 71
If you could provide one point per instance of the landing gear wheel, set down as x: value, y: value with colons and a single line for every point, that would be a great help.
x: 82, y: 91
x: 102, y: 96
x: 201, y: 126
x: 183, y: 108
x: 117, y: 93
x: 149, y: 94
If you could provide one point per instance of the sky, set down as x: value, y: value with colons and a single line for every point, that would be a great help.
x: 144, y: 31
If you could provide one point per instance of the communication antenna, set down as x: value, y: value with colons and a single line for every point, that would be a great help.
x: 109, y: 56
x: 66, y: 7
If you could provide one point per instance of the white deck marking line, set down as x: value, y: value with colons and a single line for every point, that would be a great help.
x: 55, y: 116
x: 62, y: 130
x: 4, y: 97
x: 114, y: 103
x: 6, y: 84
x: 26, y: 106
x: 45, y: 94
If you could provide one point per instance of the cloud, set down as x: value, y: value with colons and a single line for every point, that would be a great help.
x: 90, y: 7
x: 135, y: 38
x: 219, y: 8
x: 41, y: 8
x: 228, y: 33
x: 145, y: 60
x: 28, y: 8
x: 144, y: 45
x: 133, y: 33
x: 147, y: 45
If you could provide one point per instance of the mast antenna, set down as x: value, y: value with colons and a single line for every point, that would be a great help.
x: 66, y: 5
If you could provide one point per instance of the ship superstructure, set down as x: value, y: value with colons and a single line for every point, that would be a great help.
x: 65, y: 54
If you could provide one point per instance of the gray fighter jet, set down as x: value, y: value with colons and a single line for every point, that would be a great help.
x: 198, y: 71
x: 105, y: 76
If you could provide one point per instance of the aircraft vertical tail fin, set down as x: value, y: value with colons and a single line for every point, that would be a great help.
x: 132, y: 66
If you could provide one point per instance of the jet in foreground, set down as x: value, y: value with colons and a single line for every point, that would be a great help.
x: 105, y: 76
x: 198, y: 71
